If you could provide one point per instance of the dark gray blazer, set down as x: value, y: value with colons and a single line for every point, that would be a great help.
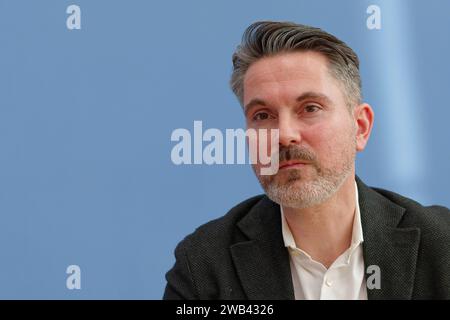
x: 242, y: 254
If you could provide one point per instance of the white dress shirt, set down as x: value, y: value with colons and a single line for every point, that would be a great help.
x: 345, y: 279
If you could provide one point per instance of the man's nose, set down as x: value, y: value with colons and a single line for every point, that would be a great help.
x: 288, y: 130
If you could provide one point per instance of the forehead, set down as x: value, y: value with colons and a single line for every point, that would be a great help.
x: 289, y: 74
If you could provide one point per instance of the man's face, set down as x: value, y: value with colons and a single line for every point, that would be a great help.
x: 296, y: 94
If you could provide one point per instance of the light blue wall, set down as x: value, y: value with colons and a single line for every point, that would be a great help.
x: 86, y: 117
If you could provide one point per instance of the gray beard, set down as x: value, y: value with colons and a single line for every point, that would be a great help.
x: 307, y: 193
x: 292, y: 192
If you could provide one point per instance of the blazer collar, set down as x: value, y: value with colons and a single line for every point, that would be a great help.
x: 386, y: 245
x: 262, y: 263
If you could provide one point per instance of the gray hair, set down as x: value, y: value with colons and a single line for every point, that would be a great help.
x: 268, y: 38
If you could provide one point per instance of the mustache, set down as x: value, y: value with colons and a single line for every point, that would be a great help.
x: 296, y: 153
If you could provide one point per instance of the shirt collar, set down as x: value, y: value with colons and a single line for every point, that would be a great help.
x: 357, y: 232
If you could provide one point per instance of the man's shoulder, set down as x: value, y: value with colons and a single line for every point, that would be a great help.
x: 223, y: 230
x: 432, y: 219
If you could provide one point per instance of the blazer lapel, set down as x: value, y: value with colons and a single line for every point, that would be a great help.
x: 262, y: 262
x: 394, y: 250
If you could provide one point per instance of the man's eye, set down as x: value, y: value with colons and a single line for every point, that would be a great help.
x: 261, y: 116
x: 311, y: 108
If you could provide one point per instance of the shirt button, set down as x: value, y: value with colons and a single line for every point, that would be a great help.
x: 328, y: 282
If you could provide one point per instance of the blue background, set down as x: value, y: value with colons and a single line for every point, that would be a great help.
x: 86, y: 117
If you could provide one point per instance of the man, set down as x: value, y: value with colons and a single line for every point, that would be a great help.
x: 319, y: 232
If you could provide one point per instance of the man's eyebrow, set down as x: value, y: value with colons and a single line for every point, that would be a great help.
x: 252, y: 103
x: 304, y: 96
x: 315, y: 96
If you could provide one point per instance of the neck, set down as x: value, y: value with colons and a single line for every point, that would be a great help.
x: 325, y: 230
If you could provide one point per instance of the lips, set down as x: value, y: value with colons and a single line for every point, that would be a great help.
x: 291, y: 164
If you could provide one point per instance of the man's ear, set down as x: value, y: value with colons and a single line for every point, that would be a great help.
x: 364, y: 116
